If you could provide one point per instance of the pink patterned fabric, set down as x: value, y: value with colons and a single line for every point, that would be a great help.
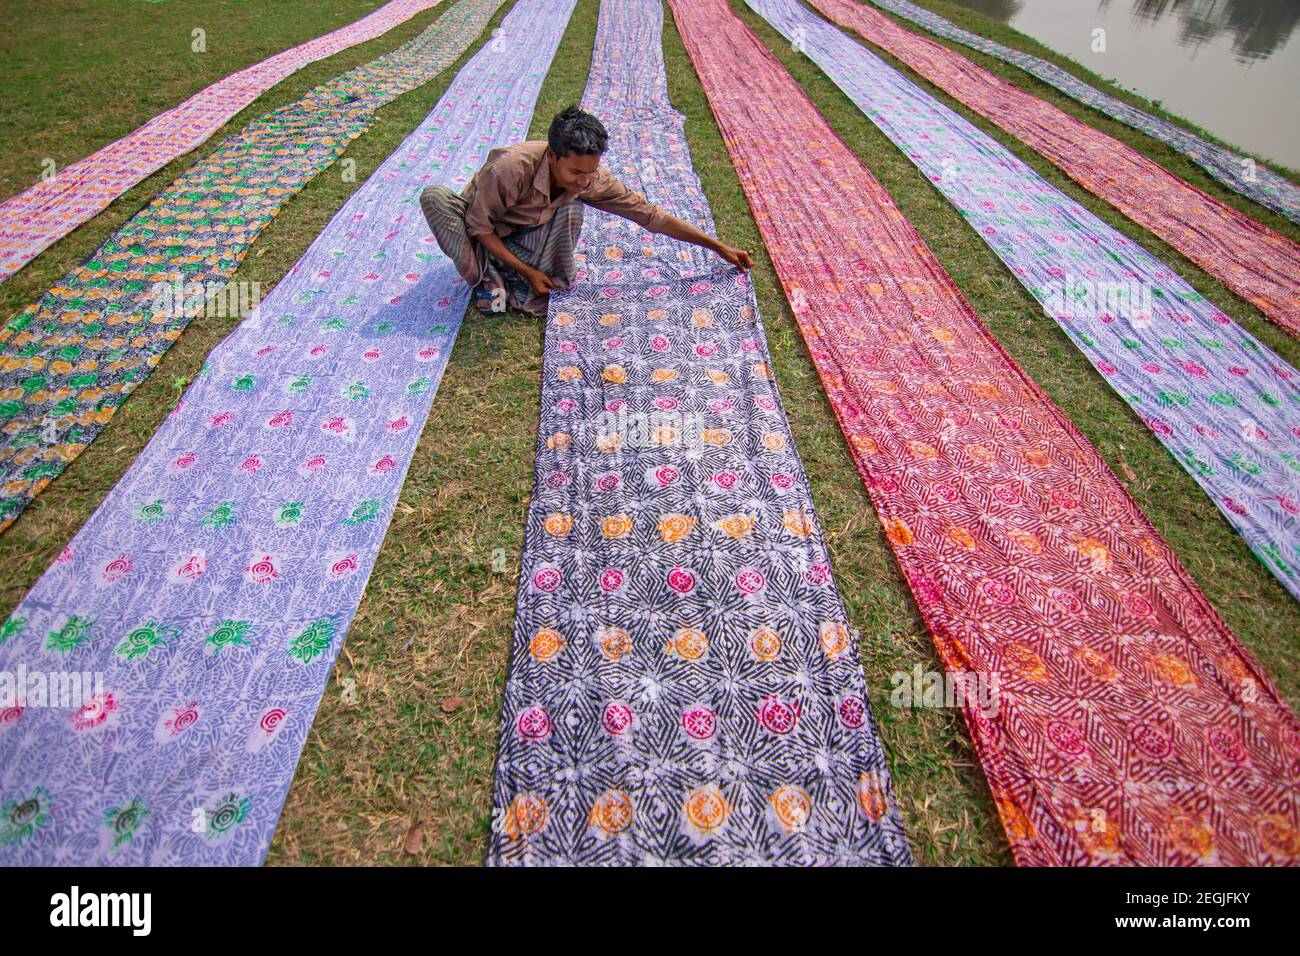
x: 1260, y: 265
x: 1130, y: 726
x: 49, y: 210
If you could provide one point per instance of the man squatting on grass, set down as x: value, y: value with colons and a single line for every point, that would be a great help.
x: 511, y: 233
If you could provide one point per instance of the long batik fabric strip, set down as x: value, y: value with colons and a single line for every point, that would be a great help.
x: 212, y: 589
x: 49, y: 210
x: 1123, y: 722
x: 1224, y: 405
x: 1239, y: 173
x: 683, y: 685
x: 1257, y: 263
x: 69, y: 360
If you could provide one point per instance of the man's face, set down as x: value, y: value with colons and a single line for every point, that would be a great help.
x: 574, y: 172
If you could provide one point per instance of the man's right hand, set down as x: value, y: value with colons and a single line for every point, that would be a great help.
x: 541, y: 283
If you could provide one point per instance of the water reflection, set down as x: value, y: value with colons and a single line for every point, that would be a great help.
x: 1258, y: 28
x: 1002, y: 10
x: 1231, y: 66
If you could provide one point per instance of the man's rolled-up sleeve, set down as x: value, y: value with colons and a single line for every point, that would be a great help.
x: 610, y: 194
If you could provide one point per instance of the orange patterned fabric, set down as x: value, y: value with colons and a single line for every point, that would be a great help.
x: 1260, y: 265
x: 1129, y: 725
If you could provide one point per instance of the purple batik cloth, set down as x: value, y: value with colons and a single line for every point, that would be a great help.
x: 214, y: 586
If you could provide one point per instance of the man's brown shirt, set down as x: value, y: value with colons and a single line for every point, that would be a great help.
x: 512, y: 191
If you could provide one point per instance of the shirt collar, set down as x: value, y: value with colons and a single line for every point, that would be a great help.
x: 542, y: 178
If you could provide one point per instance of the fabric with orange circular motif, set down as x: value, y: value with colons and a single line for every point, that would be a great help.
x: 683, y: 686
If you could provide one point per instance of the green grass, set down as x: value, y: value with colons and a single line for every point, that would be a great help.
x: 436, y: 620
x: 80, y: 74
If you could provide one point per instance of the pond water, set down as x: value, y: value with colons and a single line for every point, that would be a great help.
x: 1230, y: 66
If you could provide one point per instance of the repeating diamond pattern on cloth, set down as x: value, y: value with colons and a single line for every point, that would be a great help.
x: 214, y: 586
x: 1226, y: 406
x: 46, y: 212
x: 1130, y: 724
x: 68, y: 361
x: 683, y: 684
x: 1257, y: 263
x: 1239, y: 173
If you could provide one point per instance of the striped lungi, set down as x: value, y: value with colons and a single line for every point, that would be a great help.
x: 548, y: 248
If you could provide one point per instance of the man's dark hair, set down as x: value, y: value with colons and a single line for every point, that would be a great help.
x: 575, y: 131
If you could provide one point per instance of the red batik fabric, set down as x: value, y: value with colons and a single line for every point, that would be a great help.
x: 1260, y: 265
x: 1129, y: 725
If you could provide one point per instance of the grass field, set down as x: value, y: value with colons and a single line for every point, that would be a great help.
x: 95, y: 82
x: 403, y: 774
